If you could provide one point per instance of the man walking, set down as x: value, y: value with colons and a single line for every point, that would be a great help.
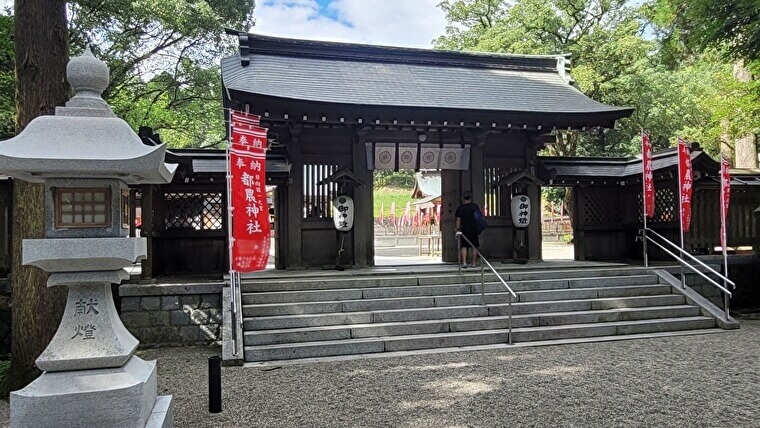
x: 465, y: 215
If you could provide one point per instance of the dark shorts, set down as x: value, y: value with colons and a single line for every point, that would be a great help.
x: 473, y: 239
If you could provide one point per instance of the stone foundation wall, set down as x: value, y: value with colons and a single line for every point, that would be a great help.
x: 171, y: 314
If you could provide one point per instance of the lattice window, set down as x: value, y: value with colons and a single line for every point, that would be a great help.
x: 664, y: 206
x: 196, y: 210
x: 317, y: 199
x: 83, y: 207
x: 598, y: 211
x: 494, y: 195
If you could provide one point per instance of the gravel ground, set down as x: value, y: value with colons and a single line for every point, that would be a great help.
x: 684, y: 381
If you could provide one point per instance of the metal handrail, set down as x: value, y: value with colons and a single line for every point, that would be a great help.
x: 482, y: 280
x: 691, y: 257
x: 726, y: 293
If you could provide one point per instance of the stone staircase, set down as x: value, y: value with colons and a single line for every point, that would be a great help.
x: 287, y: 318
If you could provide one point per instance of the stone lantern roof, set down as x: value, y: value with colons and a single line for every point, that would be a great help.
x: 84, y: 139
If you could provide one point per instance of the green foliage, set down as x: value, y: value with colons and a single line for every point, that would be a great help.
x: 554, y: 195
x: 645, y: 57
x: 7, y: 78
x: 398, y: 179
x: 164, y: 60
x: 163, y: 57
x: 385, y: 197
x: 689, y: 26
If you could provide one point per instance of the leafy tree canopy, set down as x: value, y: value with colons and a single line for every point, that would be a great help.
x: 622, y: 55
x: 694, y: 25
x: 164, y: 60
x: 163, y: 57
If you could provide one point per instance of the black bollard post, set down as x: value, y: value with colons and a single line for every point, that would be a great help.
x: 215, y: 384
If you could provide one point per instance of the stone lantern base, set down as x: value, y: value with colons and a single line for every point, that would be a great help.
x: 122, y: 397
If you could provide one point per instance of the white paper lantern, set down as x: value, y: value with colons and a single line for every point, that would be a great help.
x: 343, y: 213
x: 521, y: 211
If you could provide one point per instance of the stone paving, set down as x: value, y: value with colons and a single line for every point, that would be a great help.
x: 681, y: 381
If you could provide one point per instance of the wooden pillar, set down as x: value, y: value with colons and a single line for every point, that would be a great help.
x: 147, y: 231
x: 451, y: 197
x: 364, y: 241
x: 280, y: 202
x: 756, y: 243
x: 578, y: 237
x: 534, y: 230
x: 477, y: 173
x: 534, y: 193
x: 294, y: 202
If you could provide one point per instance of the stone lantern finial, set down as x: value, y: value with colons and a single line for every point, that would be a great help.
x: 89, y: 77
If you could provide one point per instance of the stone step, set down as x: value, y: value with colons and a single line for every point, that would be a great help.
x: 587, y: 304
x: 437, y: 290
x: 353, y: 331
x: 444, y: 277
x: 468, y: 311
x: 300, y: 308
x: 469, y: 338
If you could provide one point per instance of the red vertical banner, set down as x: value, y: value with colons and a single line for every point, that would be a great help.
x: 648, y: 175
x: 725, y: 196
x: 685, y: 181
x: 241, y: 120
x: 248, y: 198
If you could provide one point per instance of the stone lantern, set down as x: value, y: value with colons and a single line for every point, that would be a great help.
x: 86, y: 157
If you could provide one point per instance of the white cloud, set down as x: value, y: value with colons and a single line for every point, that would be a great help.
x: 412, y: 23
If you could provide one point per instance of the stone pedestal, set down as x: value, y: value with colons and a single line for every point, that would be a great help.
x: 91, y: 377
x: 119, y: 397
x: 91, y: 334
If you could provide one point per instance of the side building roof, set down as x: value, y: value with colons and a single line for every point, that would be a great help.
x: 572, y: 170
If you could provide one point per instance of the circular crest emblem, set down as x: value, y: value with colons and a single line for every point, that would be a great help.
x: 407, y: 156
x: 385, y: 156
x: 450, y: 158
x: 428, y: 157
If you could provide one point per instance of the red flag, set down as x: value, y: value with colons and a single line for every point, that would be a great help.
x: 648, y: 179
x: 725, y: 196
x: 249, y: 138
x: 250, y: 210
x: 242, y: 120
x: 685, y: 179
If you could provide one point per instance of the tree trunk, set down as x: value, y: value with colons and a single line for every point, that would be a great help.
x: 745, y: 148
x: 41, y: 43
x: 746, y: 152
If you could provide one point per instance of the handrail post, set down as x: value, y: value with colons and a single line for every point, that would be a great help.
x: 509, y: 337
x: 644, y: 241
x: 459, y: 251
x: 482, y: 284
x: 725, y: 305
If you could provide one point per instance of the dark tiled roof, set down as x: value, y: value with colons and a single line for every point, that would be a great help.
x: 616, y: 167
x: 342, y: 73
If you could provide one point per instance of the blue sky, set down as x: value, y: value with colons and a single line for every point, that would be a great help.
x: 412, y: 23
